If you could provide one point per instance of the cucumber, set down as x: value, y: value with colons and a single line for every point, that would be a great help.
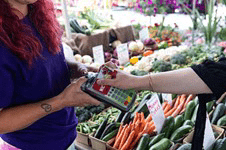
x: 196, y: 100
x: 222, y: 121
x: 109, y: 128
x: 156, y: 139
x: 142, y: 107
x: 179, y: 120
x: 168, y: 126
x: 180, y: 132
x: 143, y: 143
x: 120, y: 116
x: 76, y: 27
x: 218, y: 113
x: 163, y: 144
x: 185, y: 147
x: 188, y: 122
x: 209, y: 106
x: 101, y: 129
x: 126, y: 118
x: 194, y: 115
x: 220, y: 144
x: 110, y: 135
x: 189, y: 109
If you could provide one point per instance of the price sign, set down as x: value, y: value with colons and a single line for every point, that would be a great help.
x: 123, y: 53
x: 156, y: 111
x: 167, y: 97
x: 144, y: 34
x: 209, y: 138
x: 98, y: 54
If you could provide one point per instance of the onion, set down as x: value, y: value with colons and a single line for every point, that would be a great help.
x: 140, y: 45
x: 116, y: 43
x: 149, y: 41
x: 87, y: 59
x: 107, y: 56
x: 133, y: 46
x: 78, y: 58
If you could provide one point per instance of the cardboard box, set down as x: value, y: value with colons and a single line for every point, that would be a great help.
x: 97, y: 144
x: 175, y: 146
x: 83, y: 138
x: 215, y: 128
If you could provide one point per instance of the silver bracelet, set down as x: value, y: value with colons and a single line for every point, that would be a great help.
x: 150, y: 81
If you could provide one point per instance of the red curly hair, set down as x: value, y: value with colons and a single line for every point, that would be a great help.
x: 15, y: 35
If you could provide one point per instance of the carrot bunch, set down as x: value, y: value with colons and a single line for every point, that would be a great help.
x: 129, y: 134
x: 178, y: 105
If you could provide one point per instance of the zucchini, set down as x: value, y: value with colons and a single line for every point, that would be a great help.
x: 126, y: 118
x: 179, y: 120
x: 189, y: 109
x: 209, y: 106
x: 196, y: 100
x: 156, y: 139
x: 120, y: 116
x: 101, y: 129
x: 168, y: 126
x: 222, y: 121
x: 194, y: 115
x: 76, y: 27
x: 110, y: 135
x: 143, y: 143
x: 163, y: 144
x: 218, y: 113
x: 220, y: 144
x: 109, y: 128
x: 188, y: 122
x: 180, y: 132
x: 185, y: 147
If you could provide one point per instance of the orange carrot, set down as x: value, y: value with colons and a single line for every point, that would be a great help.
x: 125, y: 136
x: 111, y: 141
x: 177, y: 101
x: 149, y: 118
x: 183, y: 98
x: 136, y: 140
x: 173, y: 101
x: 135, y: 117
x: 151, y: 129
x: 178, y: 110
x: 142, y: 117
x: 128, y: 141
x: 168, y: 107
x: 119, y: 131
x: 164, y: 105
x: 169, y: 113
x: 117, y: 141
x: 190, y: 97
x: 137, y: 128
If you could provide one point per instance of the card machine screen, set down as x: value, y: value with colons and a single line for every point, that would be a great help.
x: 122, y: 99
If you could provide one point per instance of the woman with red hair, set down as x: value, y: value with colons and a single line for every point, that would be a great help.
x: 36, y: 97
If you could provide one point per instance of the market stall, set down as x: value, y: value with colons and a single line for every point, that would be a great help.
x: 151, y: 47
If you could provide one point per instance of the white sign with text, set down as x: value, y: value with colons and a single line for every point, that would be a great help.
x: 209, y: 138
x: 156, y: 111
x: 144, y: 34
x: 98, y: 54
x: 123, y: 53
x: 167, y: 97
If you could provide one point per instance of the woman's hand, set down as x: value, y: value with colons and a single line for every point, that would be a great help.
x: 74, y: 96
x: 123, y: 80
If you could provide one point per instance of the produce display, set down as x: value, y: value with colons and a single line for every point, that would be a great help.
x: 166, y: 48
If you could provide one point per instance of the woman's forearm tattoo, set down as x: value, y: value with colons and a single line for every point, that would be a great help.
x: 46, y: 107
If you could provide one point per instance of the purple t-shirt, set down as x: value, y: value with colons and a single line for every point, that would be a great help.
x: 48, y: 77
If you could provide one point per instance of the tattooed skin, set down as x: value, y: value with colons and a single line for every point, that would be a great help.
x: 46, y: 107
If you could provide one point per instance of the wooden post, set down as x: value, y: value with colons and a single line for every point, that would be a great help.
x: 66, y: 19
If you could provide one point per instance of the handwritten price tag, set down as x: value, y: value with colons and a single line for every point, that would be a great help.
x: 98, y: 54
x: 144, y: 34
x: 156, y: 111
x: 123, y: 53
x: 209, y: 138
x: 167, y: 97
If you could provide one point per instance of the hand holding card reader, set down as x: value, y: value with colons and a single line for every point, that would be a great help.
x: 121, y: 99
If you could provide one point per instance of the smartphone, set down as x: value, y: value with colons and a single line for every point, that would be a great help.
x: 119, y: 98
